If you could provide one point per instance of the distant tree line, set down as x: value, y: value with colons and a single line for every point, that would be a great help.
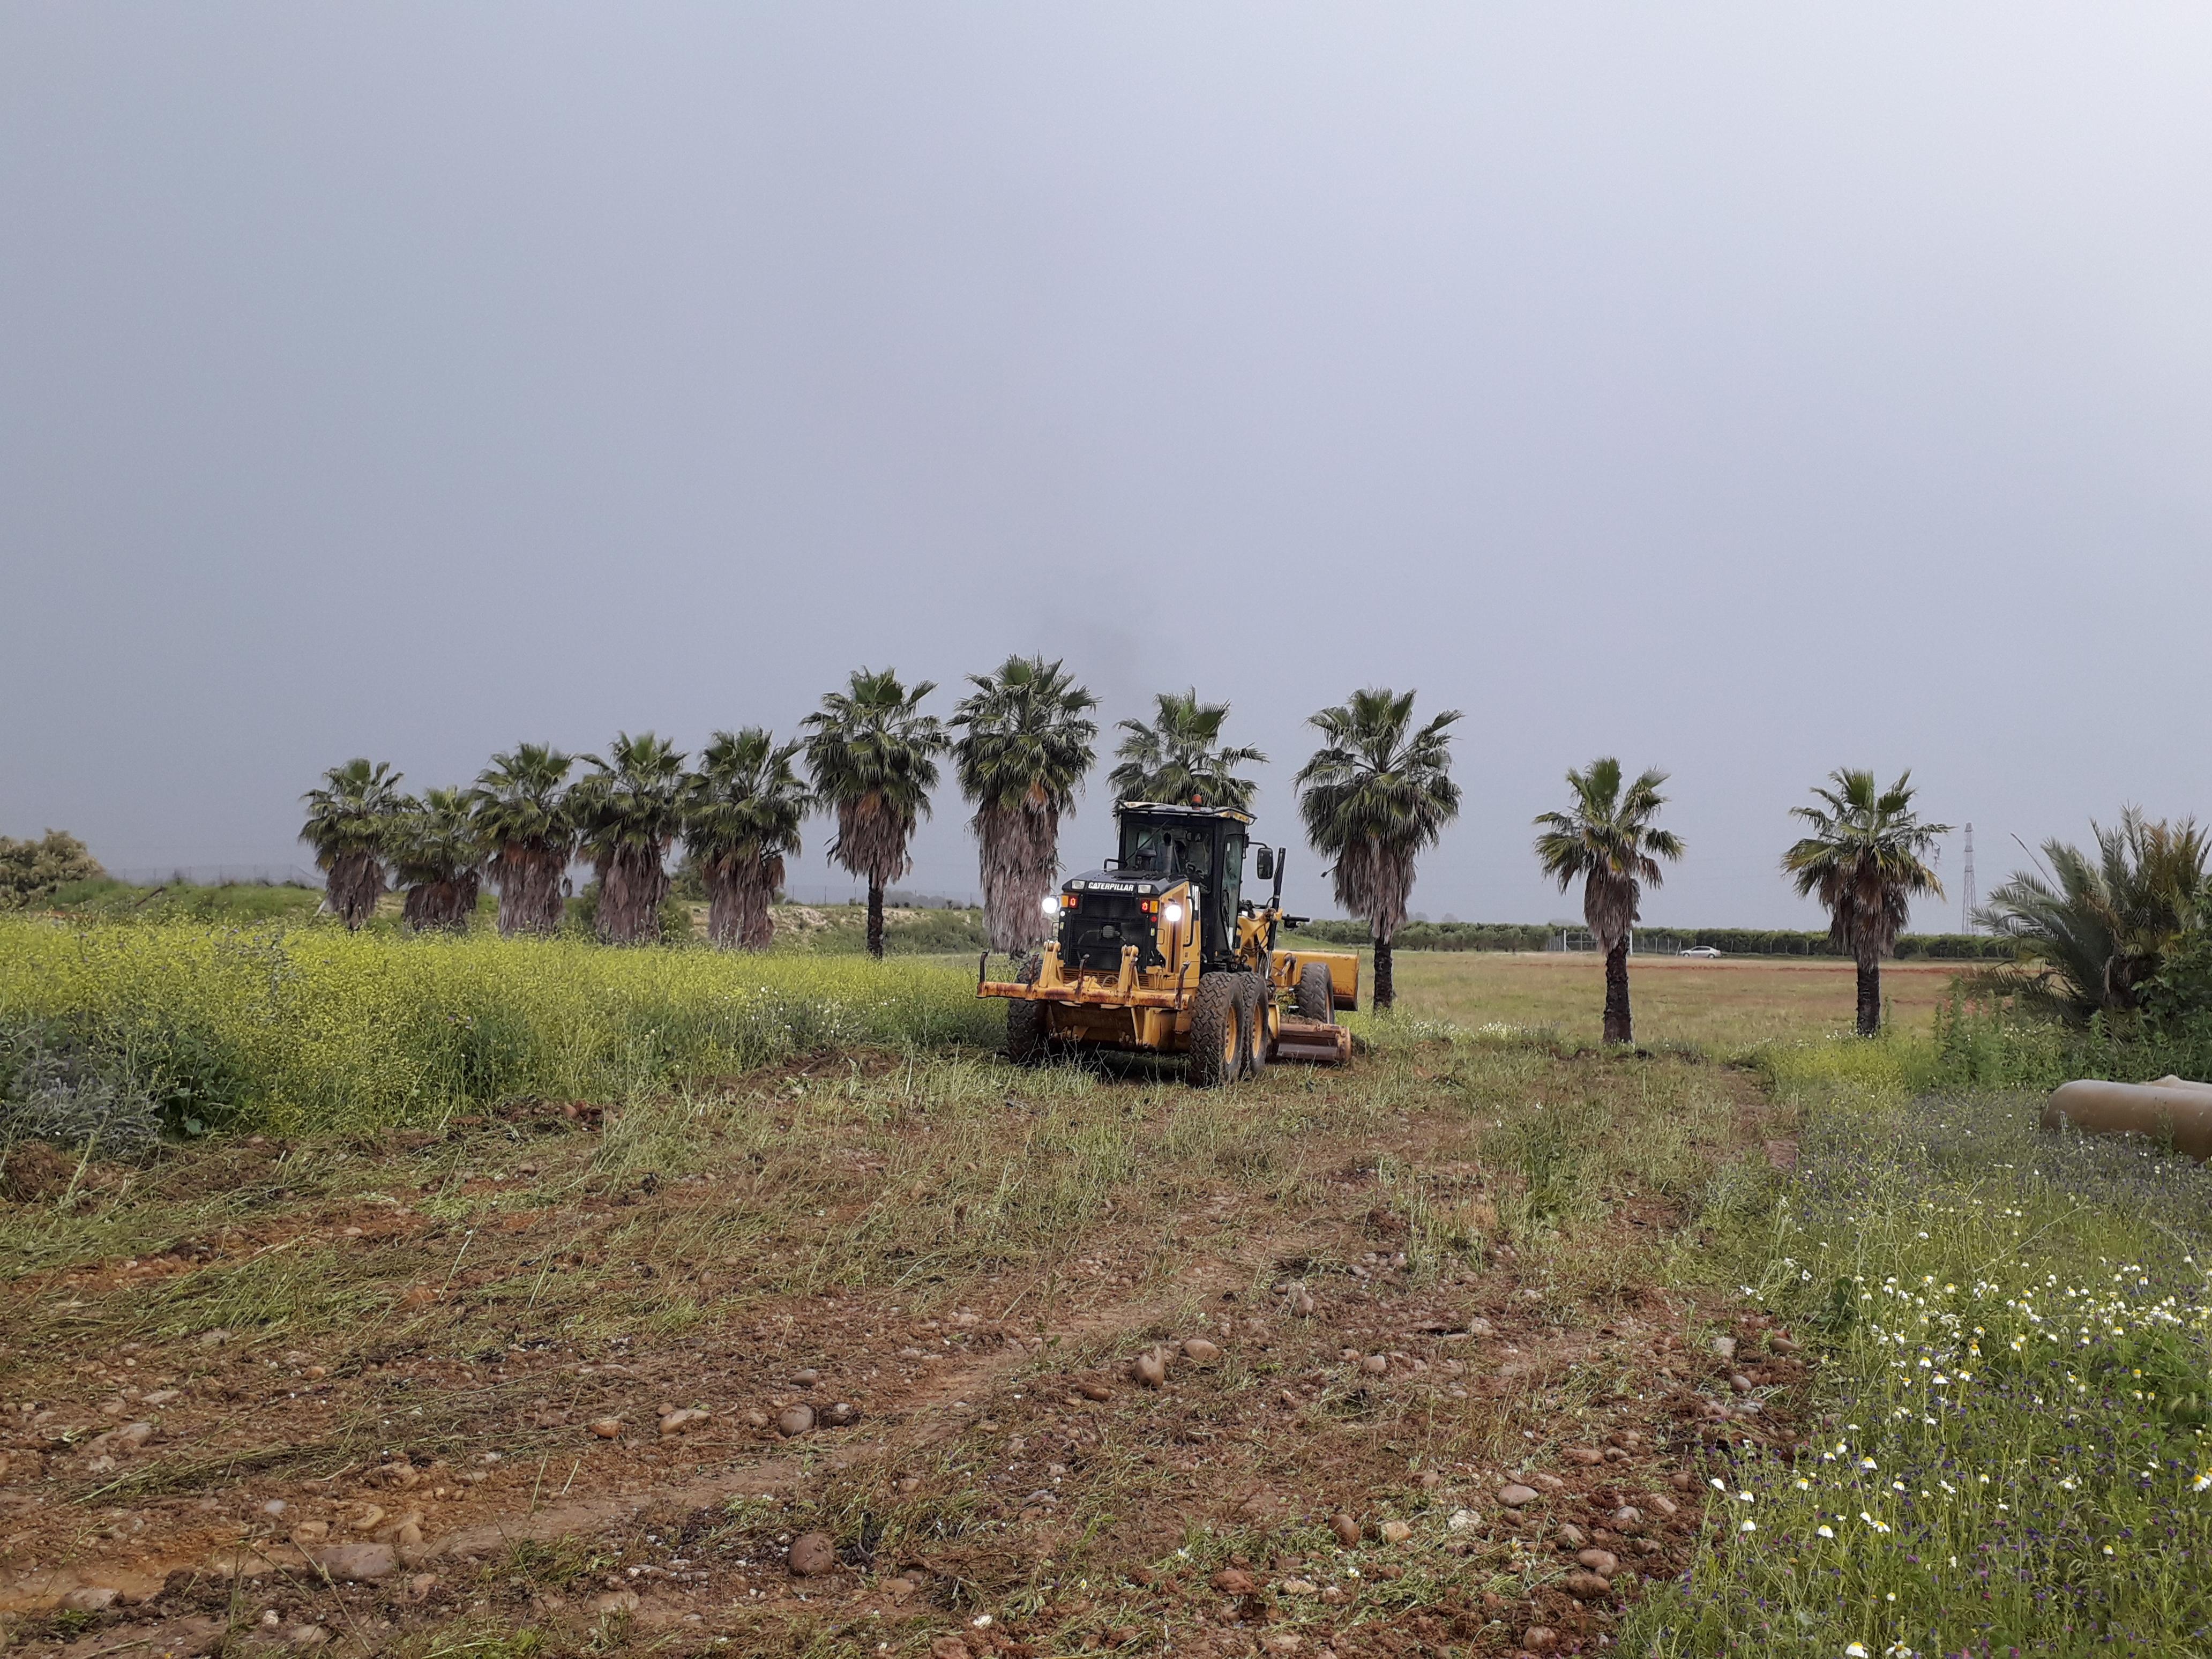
x: 1734, y: 941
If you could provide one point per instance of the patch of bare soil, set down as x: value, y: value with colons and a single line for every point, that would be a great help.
x: 1239, y: 1410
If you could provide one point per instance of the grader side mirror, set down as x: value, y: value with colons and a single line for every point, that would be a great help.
x: 1265, y: 868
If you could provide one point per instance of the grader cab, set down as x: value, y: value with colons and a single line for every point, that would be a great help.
x: 1159, y: 950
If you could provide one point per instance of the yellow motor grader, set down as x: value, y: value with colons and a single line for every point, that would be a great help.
x: 1159, y: 950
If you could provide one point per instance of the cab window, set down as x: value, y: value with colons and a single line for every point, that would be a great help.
x: 1168, y: 849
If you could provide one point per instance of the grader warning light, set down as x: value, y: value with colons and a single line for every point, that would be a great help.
x: 1123, y: 971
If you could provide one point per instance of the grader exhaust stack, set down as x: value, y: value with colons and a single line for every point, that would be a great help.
x: 1158, y: 951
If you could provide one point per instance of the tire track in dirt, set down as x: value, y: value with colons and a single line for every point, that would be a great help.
x: 926, y: 1416
x: 923, y: 1413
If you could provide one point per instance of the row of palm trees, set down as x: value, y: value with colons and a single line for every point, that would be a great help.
x: 1373, y: 797
x: 1865, y: 857
x: 1375, y: 794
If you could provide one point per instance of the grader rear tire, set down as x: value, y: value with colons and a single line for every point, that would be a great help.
x: 1316, y: 996
x: 1254, y: 1002
x: 1027, y: 1040
x: 1219, y: 1031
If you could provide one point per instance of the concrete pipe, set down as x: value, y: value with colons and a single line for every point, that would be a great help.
x: 2170, y: 1107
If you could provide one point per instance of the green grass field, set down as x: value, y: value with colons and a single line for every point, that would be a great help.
x: 504, y: 1205
x: 1730, y: 1005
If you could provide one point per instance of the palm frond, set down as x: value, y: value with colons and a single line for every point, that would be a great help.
x: 1607, y: 842
x: 1179, y: 756
x: 1374, y: 796
x: 1027, y: 742
x: 873, y: 756
x: 1865, y: 859
x: 2097, y: 926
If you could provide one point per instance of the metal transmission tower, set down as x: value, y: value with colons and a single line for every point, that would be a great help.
x: 1966, y: 897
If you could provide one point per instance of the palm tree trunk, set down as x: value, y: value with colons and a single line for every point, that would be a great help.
x: 1386, y: 993
x: 739, y: 892
x: 440, y: 906
x: 1869, y: 997
x: 632, y: 884
x: 356, y: 881
x: 529, y: 881
x: 756, y: 921
x: 1019, y: 848
x: 1619, y: 1027
x: 876, y: 919
x: 724, y: 910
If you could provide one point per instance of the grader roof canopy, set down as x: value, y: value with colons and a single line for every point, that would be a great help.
x: 1165, y: 808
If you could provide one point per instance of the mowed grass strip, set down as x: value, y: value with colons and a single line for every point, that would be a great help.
x: 497, y: 1286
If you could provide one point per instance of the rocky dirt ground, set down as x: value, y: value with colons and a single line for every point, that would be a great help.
x: 891, y: 1355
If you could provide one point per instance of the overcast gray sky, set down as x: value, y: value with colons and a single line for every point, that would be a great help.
x: 1748, y: 391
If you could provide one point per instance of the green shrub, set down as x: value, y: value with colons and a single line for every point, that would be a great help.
x: 1985, y: 1040
x: 915, y: 932
x: 32, y: 871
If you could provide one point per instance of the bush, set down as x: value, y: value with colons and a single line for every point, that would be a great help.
x: 1986, y: 1039
x: 915, y: 933
x: 318, y: 1028
x: 31, y: 870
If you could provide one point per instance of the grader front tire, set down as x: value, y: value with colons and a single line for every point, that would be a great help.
x: 1219, y: 1035
x: 1027, y: 1038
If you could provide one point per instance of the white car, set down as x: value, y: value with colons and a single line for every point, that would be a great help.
x: 1701, y: 951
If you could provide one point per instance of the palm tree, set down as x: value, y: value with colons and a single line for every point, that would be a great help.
x: 437, y: 855
x: 1608, y: 842
x: 1028, y: 743
x: 741, y: 810
x: 872, y: 756
x: 1178, y: 759
x: 521, y: 809
x: 1864, y: 859
x: 1375, y: 793
x: 2100, y: 924
x: 627, y: 812
x: 349, y: 826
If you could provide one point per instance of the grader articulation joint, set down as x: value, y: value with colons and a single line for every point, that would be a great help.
x: 1159, y: 950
